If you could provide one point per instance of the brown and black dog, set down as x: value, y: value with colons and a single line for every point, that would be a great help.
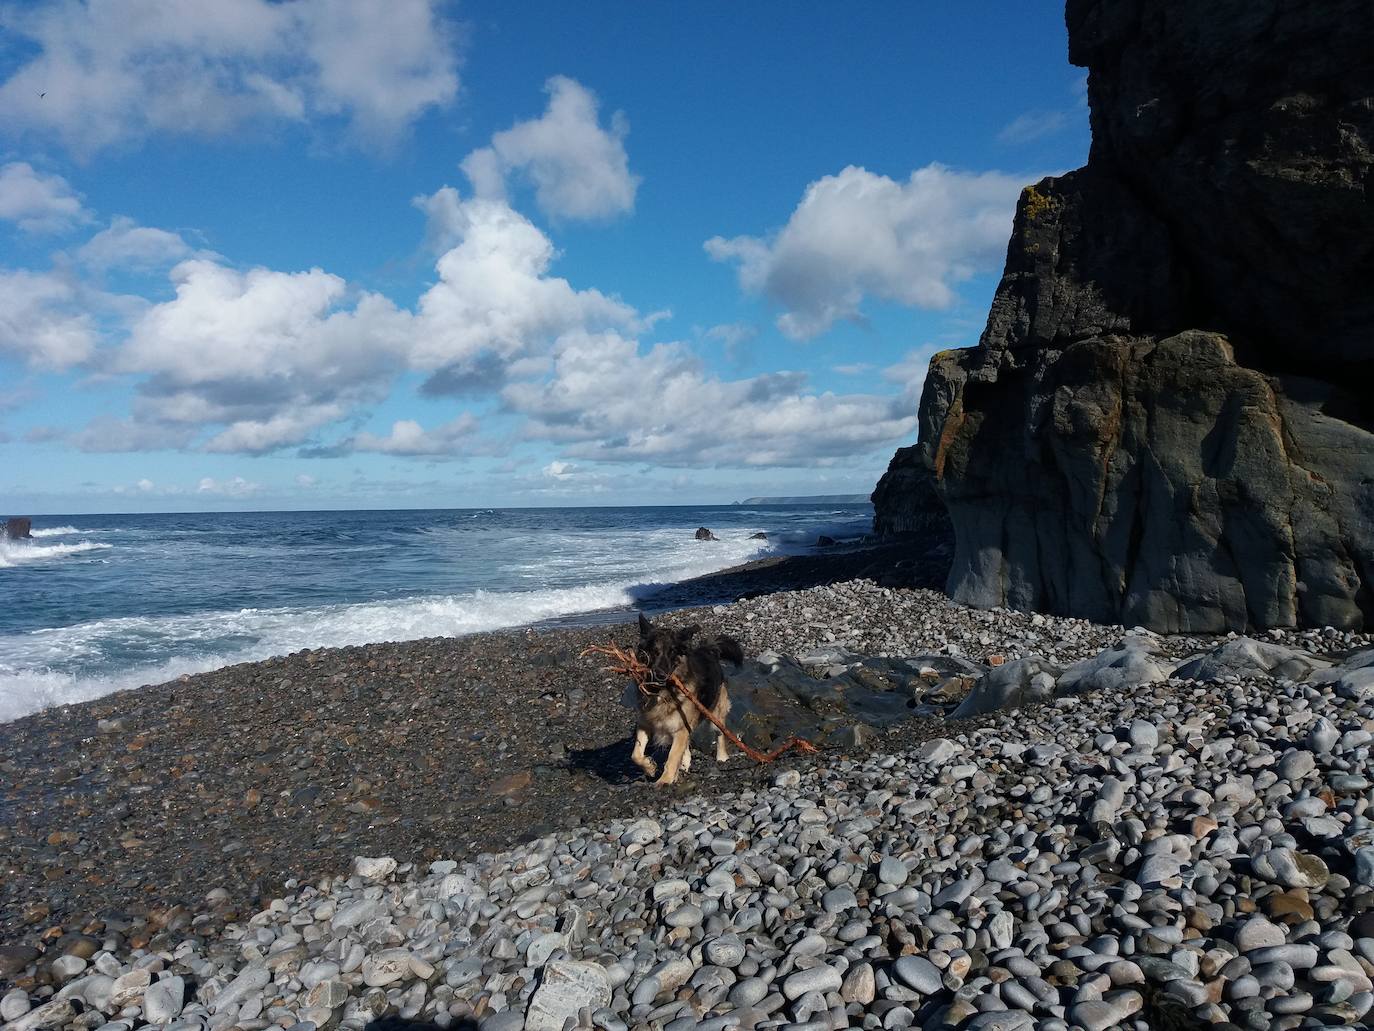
x: 665, y: 717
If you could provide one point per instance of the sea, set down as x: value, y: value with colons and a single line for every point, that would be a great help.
x: 98, y: 603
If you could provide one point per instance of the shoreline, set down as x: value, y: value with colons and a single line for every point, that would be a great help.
x: 206, y: 833
x: 82, y: 780
x: 140, y: 802
x: 37, y: 686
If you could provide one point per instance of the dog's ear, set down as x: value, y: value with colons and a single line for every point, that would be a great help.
x: 644, y: 628
x: 686, y: 633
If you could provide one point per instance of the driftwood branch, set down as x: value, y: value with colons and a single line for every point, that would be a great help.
x: 627, y: 663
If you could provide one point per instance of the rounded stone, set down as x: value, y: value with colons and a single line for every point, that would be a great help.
x: 893, y: 871
x: 819, y: 978
x: 919, y: 974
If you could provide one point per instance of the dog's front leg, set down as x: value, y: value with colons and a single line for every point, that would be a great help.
x: 721, y: 753
x: 640, y: 759
x: 670, y: 768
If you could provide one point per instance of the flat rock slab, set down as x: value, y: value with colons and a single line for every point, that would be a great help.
x: 565, y: 989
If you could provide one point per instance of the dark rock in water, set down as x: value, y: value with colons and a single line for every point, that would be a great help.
x: 704, y: 534
x: 824, y: 542
x: 758, y: 536
x: 18, y: 528
x: 1167, y: 420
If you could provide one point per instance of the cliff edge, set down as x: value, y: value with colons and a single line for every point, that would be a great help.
x: 1169, y: 418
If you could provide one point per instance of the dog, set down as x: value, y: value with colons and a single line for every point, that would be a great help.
x: 665, y: 717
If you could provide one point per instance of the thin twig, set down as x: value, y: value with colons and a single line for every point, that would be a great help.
x: 627, y: 663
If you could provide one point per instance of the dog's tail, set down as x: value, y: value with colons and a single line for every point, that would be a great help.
x: 730, y: 650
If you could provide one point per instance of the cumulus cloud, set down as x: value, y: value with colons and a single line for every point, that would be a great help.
x: 408, y: 438
x: 44, y: 320
x: 594, y: 406
x: 126, y: 244
x: 110, y: 71
x: 258, y: 436
x: 271, y: 355
x: 38, y: 203
x: 259, y: 360
x: 579, y: 170
x: 559, y: 470
x: 495, y: 301
x: 857, y: 234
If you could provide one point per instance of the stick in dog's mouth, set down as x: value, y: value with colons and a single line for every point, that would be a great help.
x: 627, y: 663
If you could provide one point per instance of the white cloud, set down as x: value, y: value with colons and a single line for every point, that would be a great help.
x: 853, y: 369
x: 44, y: 320
x: 145, y: 485
x: 408, y: 438
x: 271, y: 355
x: 126, y: 244
x: 111, y: 71
x: 282, y: 429
x: 262, y: 360
x: 306, y: 481
x: 594, y: 405
x: 495, y: 301
x: 858, y: 234
x: 559, y: 470
x: 238, y: 487
x: 579, y: 170
x: 38, y: 203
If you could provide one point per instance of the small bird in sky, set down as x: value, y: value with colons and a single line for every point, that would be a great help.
x: 42, y: 95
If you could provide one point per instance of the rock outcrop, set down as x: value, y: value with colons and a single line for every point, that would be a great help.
x: 906, y: 502
x: 1169, y: 418
x: 17, y: 528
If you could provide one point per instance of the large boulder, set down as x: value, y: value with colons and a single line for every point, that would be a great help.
x: 1246, y: 657
x: 18, y: 528
x: 1132, y: 662
x: 1010, y: 686
x: 1166, y: 421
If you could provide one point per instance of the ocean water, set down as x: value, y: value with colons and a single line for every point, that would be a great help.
x: 94, y: 604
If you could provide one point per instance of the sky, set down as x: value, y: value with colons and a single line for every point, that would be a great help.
x: 318, y: 254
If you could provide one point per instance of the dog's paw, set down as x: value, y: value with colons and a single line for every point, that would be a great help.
x: 650, y: 769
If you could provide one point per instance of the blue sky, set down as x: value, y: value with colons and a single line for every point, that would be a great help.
x: 334, y: 253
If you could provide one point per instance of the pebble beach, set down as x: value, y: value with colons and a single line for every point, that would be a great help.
x: 1119, y: 830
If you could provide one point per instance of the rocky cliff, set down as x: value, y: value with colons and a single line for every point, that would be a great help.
x: 1169, y: 419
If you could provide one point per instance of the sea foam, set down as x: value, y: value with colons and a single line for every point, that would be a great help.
x: 14, y: 553
x: 115, y: 654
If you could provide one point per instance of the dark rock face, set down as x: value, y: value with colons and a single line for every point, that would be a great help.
x: 1169, y: 419
x: 906, y: 502
x: 703, y: 534
x: 18, y: 528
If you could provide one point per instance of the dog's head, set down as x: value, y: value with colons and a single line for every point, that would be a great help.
x: 661, y: 649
